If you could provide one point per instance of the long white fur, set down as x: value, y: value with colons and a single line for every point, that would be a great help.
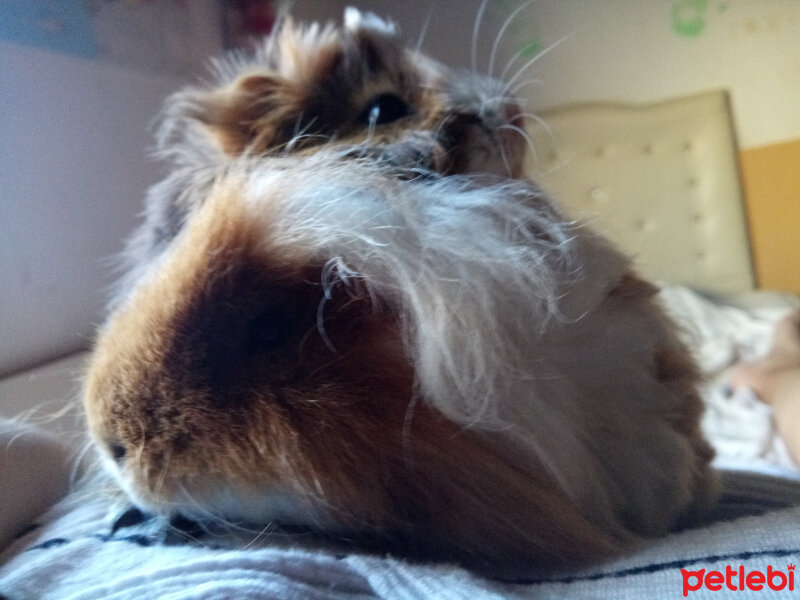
x: 469, y: 267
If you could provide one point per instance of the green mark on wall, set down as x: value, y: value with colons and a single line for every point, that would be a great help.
x: 530, y: 49
x: 689, y: 17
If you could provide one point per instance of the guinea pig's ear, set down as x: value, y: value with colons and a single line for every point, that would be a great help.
x: 250, y: 113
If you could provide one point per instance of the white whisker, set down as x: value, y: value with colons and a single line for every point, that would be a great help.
x: 193, y: 509
x: 539, y: 56
x: 84, y: 454
x: 510, y: 63
x: 260, y: 534
x: 408, y: 455
x: 300, y: 134
x: 504, y: 158
x: 159, y: 484
x: 525, y: 136
x: 289, y: 146
x: 425, y: 25
x: 516, y: 89
x: 475, y: 30
x: 502, y: 31
x: 542, y: 123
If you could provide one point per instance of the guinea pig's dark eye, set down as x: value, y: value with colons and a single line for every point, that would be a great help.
x: 118, y: 451
x: 269, y: 331
x: 384, y: 108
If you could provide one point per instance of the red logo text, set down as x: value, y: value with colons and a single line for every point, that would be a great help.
x: 738, y: 579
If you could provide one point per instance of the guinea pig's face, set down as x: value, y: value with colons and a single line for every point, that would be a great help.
x: 231, y: 382
x: 356, y: 87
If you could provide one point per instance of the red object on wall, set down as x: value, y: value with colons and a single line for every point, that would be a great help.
x: 246, y: 20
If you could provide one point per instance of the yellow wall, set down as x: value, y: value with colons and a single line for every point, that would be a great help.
x: 771, y: 177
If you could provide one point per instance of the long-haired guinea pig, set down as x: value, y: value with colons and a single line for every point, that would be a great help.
x: 345, y: 312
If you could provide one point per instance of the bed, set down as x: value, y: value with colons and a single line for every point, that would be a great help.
x: 660, y: 180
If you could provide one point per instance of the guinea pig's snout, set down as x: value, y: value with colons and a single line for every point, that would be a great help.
x: 485, y: 129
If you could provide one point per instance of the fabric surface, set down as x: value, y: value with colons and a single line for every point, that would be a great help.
x: 722, y: 331
x: 75, y: 555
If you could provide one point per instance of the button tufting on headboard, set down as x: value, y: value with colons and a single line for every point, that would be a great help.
x: 661, y: 180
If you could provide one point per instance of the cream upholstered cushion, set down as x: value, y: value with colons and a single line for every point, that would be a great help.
x: 660, y: 180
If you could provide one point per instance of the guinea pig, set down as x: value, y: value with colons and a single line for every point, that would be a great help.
x: 346, y: 311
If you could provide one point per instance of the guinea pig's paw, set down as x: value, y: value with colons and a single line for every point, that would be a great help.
x: 137, y: 526
x: 147, y: 527
x: 182, y: 528
x: 131, y: 517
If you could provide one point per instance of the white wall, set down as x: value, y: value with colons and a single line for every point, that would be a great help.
x: 74, y: 166
x: 73, y: 170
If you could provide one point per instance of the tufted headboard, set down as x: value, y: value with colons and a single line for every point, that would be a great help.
x: 661, y: 180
